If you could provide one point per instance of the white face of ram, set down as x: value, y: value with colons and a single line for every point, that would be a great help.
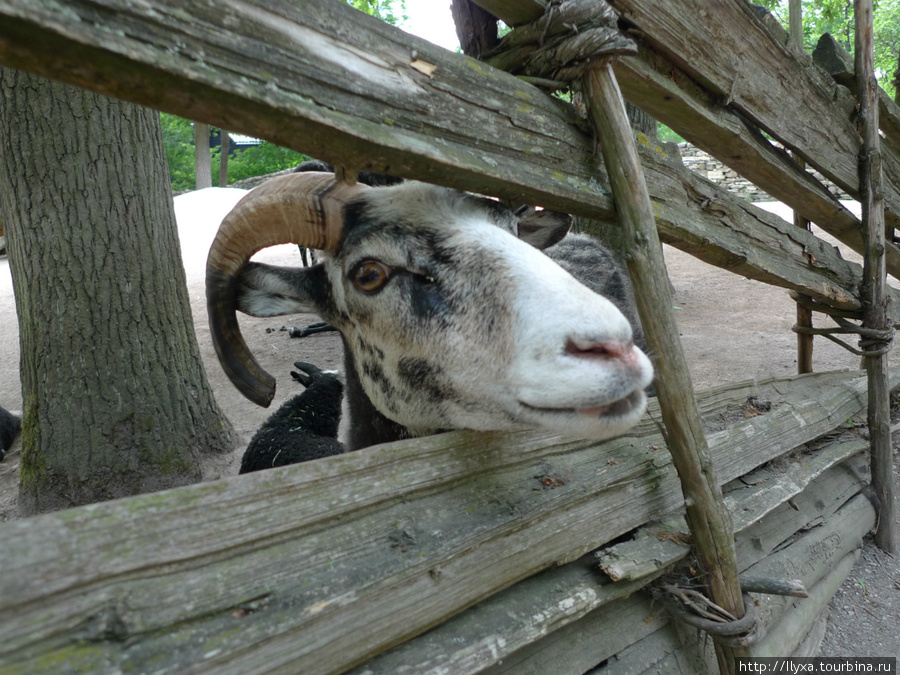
x: 458, y: 324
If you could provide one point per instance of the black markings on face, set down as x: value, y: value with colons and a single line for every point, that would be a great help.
x: 444, y: 295
x: 426, y: 378
x: 368, y: 349
x: 373, y: 372
x: 427, y: 302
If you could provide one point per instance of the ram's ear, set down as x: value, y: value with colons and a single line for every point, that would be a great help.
x: 543, y: 228
x: 264, y: 290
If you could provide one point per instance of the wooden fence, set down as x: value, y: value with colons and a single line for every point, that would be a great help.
x: 465, y: 552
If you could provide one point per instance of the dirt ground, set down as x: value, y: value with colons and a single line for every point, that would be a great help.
x: 731, y: 329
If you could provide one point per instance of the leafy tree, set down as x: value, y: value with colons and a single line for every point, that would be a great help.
x: 836, y: 17
x: 178, y: 140
x: 391, y: 11
x: 258, y: 160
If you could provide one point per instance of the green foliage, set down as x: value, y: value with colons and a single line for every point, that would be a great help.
x: 178, y: 139
x: 391, y: 11
x: 257, y: 160
x: 836, y: 17
x: 887, y: 43
x: 667, y: 135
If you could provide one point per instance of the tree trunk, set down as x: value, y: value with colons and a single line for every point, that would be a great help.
x: 202, y: 160
x: 476, y: 28
x: 116, y: 399
x: 641, y: 121
x: 223, y: 157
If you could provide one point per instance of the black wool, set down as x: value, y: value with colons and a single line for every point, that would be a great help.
x: 304, y: 428
x: 10, y: 425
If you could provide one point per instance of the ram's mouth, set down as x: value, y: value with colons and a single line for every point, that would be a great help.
x: 619, y: 408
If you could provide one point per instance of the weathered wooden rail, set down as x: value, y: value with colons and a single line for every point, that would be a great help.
x: 705, y: 92
x: 318, y: 567
x: 346, y: 563
x: 464, y: 125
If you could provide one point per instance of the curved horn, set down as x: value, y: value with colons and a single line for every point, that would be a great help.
x: 300, y: 208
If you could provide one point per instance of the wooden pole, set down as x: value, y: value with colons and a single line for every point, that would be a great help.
x: 874, y: 275
x: 804, y: 314
x: 224, y: 149
x: 795, y: 23
x: 708, y: 518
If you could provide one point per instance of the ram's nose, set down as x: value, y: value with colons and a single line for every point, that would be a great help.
x: 620, y: 350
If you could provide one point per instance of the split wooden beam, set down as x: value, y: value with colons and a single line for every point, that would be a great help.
x: 707, y: 516
x: 721, y: 103
x: 655, y: 85
x: 875, y: 314
x: 464, y: 125
x: 753, y: 71
x: 569, y: 619
x: 288, y: 566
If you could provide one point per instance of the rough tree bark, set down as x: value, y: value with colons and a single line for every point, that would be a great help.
x: 116, y: 399
x: 476, y: 28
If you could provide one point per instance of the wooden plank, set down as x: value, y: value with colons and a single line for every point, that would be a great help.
x: 700, y: 218
x: 661, y: 653
x: 818, y: 556
x: 659, y: 88
x: 762, y: 544
x: 600, y: 634
x: 667, y: 652
x: 737, y: 57
x: 822, y: 558
x: 812, y: 642
x: 319, y: 566
x: 322, y: 78
x: 466, y: 125
x: 488, y: 633
x: 580, y: 646
x: 756, y: 494
x: 659, y: 545
x: 785, y: 636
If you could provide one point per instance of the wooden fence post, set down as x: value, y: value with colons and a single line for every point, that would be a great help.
x: 708, y: 518
x: 804, y: 314
x: 874, y: 276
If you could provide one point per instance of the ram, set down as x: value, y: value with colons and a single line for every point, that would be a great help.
x: 305, y: 427
x: 10, y: 426
x: 449, y: 320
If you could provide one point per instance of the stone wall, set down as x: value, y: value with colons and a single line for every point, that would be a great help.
x: 712, y: 169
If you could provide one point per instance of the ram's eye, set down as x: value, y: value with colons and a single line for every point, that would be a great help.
x: 370, y: 275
